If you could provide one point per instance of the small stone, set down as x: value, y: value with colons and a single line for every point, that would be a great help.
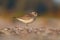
x: 42, y: 30
x: 38, y: 33
x: 21, y: 29
x: 35, y: 31
x: 29, y: 31
x: 6, y: 29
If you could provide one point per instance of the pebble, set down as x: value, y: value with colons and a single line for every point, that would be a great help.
x: 28, y: 30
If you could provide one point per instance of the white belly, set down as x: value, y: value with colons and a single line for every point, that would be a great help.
x: 26, y: 21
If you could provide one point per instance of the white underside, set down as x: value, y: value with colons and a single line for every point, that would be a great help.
x: 26, y: 21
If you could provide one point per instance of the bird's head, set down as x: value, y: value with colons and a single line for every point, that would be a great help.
x: 34, y: 13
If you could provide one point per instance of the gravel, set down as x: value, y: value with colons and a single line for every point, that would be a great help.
x: 40, y: 29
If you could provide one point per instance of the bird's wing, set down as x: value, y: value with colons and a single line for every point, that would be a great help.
x: 26, y: 17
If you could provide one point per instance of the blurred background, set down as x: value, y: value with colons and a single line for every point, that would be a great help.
x: 18, y: 7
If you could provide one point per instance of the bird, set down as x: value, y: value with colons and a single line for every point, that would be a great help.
x: 28, y: 18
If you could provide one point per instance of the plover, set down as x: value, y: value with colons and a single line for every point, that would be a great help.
x: 28, y: 18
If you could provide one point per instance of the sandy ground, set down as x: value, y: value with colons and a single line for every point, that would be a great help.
x: 41, y: 29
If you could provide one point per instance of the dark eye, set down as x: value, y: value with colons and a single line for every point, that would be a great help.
x: 35, y: 12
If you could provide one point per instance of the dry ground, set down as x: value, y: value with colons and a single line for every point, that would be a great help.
x: 43, y: 29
